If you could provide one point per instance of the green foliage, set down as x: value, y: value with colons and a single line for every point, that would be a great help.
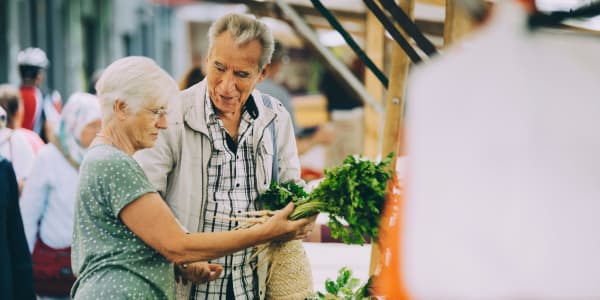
x: 279, y: 195
x: 352, y: 194
x: 345, y: 287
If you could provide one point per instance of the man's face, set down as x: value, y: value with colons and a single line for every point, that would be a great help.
x: 232, y: 73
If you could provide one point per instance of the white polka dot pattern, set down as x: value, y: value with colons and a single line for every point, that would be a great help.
x: 110, y: 260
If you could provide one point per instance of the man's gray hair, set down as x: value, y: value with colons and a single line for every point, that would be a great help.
x: 135, y: 80
x: 244, y: 29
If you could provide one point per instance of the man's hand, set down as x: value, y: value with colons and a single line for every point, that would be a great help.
x: 198, y: 272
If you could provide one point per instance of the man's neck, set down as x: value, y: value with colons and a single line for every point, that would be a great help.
x: 231, y: 121
x: 28, y: 83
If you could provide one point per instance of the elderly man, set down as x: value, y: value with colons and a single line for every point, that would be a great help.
x: 225, y: 143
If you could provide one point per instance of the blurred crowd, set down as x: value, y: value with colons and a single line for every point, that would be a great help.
x: 44, y: 143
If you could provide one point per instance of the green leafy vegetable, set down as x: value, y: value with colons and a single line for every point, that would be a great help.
x: 352, y: 193
x: 344, y: 287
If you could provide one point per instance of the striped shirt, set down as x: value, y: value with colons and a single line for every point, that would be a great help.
x: 231, y: 191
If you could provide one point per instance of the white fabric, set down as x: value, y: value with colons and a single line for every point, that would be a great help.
x: 81, y: 110
x: 16, y: 149
x: 504, y: 183
x: 178, y: 162
x: 49, y: 199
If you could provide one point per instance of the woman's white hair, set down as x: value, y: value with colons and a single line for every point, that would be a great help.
x: 244, y: 29
x: 137, y: 81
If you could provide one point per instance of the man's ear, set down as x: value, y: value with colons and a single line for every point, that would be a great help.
x: 263, y: 73
x: 120, y: 109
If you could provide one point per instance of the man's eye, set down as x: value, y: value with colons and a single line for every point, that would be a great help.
x: 242, y: 74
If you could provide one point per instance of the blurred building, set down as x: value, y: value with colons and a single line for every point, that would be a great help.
x: 81, y: 36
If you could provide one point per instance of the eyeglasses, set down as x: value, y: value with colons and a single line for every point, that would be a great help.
x: 158, y: 113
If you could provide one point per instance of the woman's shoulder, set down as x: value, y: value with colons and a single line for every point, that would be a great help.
x: 106, y: 156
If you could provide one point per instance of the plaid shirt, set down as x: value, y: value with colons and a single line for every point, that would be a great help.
x: 231, y: 190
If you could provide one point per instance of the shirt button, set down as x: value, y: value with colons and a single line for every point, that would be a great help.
x: 234, y: 268
x: 237, y: 185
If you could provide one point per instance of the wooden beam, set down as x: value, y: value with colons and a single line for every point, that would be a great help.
x: 330, y: 61
x: 457, y: 23
x: 394, y: 111
x: 374, y: 47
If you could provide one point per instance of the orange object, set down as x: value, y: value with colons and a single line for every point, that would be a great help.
x: 388, y: 281
x: 308, y: 174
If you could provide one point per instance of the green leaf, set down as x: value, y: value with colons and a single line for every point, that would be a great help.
x: 331, y: 287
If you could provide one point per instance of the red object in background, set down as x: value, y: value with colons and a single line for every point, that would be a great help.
x: 29, y: 106
x: 308, y: 174
x: 388, y: 281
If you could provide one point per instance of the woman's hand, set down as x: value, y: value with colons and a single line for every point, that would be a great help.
x: 198, y: 272
x: 283, y: 229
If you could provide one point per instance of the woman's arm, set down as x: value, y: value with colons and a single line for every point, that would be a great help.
x: 153, y: 222
x: 34, y: 199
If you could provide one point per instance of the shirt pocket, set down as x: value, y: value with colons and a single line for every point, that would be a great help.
x: 265, y: 164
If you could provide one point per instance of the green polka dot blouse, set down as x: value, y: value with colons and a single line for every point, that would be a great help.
x: 110, y: 260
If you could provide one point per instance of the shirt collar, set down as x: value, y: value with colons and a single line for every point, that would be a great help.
x: 249, y: 107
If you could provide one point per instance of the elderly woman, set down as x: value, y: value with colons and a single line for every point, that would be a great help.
x: 126, y: 239
x: 48, y: 199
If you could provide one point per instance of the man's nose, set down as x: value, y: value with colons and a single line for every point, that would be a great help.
x: 228, y: 82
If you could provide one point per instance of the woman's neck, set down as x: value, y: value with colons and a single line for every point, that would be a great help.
x: 116, y: 138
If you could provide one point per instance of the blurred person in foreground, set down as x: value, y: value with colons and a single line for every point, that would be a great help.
x: 41, y: 111
x: 126, y: 238
x: 503, y: 142
x: 225, y: 144
x: 10, y: 100
x: 15, y: 262
x: 48, y: 200
x: 306, y: 138
x: 14, y: 145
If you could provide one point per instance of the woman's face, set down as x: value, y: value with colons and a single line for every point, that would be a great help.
x: 145, y: 124
x: 89, y: 133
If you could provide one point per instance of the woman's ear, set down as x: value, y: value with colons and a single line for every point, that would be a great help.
x: 120, y: 109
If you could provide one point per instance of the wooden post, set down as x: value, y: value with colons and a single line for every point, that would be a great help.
x: 394, y: 108
x: 374, y: 47
x: 457, y: 23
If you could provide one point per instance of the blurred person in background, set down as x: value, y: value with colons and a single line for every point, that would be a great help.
x: 338, y: 97
x: 48, y: 199
x: 126, y: 239
x: 503, y: 143
x: 15, y: 262
x: 306, y: 138
x: 41, y: 111
x: 92, y: 81
x: 14, y: 145
x: 191, y: 77
x: 10, y: 100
